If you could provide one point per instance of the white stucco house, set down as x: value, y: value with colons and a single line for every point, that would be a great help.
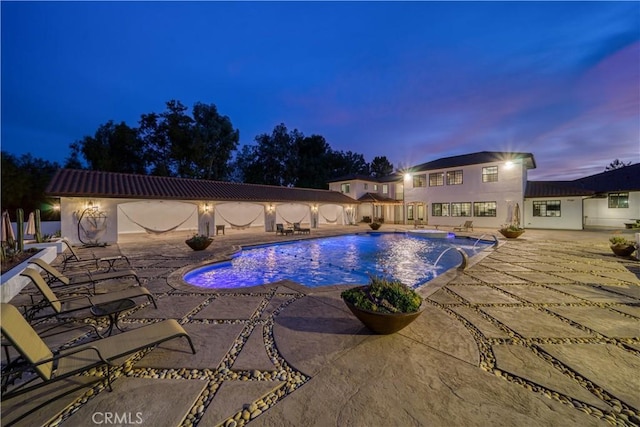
x: 102, y: 207
x: 489, y: 187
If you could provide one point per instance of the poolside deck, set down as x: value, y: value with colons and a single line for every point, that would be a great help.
x: 545, y: 330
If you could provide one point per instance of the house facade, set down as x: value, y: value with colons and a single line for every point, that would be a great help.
x: 102, y: 207
x: 491, y: 189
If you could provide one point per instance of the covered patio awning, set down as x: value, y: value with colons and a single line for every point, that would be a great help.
x: 377, y: 199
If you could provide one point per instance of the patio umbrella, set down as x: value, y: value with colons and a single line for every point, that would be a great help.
x: 516, y: 215
x: 7, y: 230
x: 30, y: 226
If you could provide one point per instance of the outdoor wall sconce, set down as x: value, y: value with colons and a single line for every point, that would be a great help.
x: 407, y: 176
x: 206, y: 207
x: 92, y: 206
x: 270, y: 208
x: 314, y: 208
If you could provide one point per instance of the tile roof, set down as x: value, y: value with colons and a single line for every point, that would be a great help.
x: 376, y: 198
x: 476, y: 158
x: 624, y: 179
x: 87, y: 183
x: 554, y: 189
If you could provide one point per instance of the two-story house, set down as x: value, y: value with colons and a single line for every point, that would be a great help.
x: 489, y: 187
x: 484, y: 187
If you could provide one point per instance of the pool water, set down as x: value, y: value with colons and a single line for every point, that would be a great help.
x: 347, y: 259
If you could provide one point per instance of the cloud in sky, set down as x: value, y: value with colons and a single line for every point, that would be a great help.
x: 414, y: 81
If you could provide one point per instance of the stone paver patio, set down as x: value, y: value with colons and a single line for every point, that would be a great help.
x: 544, y: 330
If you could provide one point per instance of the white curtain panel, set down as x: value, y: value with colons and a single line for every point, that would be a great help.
x: 288, y: 213
x: 239, y: 215
x: 331, y: 214
x: 157, y: 216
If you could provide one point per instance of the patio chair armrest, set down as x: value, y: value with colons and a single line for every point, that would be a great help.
x: 72, y: 351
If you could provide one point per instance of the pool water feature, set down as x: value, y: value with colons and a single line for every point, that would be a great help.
x: 349, y: 259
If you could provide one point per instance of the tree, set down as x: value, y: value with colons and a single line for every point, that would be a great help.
x: 214, y: 140
x: 616, y: 164
x: 380, y: 166
x: 113, y: 148
x: 312, y: 157
x: 24, y: 181
x: 347, y: 163
x: 190, y: 147
x: 272, y: 160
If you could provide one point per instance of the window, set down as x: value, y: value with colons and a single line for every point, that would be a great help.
x: 546, y: 208
x: 385, y: 188
x: 461, y: 209
x: 618, y: 200
x: 484, y: 209
x: 454, y: 177
x: 366, y: 186
x: 440, y: 209
x: 436, y: 179
x: 375, y: 187
x: 419, y: 180
x: 410, y: 212
x: 345, y: 188
x: 490, y: 174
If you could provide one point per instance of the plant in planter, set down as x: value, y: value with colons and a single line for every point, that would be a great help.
x: 511, y: 231
x: 375, y: 225
x: 384, y: 306
x: 199, y: 242
x: 621, y: 246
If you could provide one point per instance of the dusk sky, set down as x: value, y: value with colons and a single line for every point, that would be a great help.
x: 413, y: 81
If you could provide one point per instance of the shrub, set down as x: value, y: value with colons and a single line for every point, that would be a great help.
x: 384, y: 296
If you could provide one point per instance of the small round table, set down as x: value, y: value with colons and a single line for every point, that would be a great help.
x: 112, y: 310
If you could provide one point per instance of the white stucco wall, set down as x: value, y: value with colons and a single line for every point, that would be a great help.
x: 506, y: 192
x: 570, y: 214
x: 598, y: 213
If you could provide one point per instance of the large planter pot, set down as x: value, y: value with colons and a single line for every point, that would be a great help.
x: 384, y: 323
x: 199, y: 245
x: 623, y: 250
x: 509, y: 234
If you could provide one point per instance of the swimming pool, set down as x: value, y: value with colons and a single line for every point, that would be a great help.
x: 349, y: 259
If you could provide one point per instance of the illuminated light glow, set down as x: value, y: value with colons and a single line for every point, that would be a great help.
x: 508, y: 164
x: 407, y: 176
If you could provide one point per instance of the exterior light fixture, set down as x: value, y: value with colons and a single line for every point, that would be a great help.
x: 206, y: 207
x: 508, y: 164
x: 407, y: 176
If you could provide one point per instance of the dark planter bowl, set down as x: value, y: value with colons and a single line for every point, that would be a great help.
x: 199, y: 245
x: 384, y: 323
x: 623, y: 250
x: 374, y: 225
x: 511, y: 234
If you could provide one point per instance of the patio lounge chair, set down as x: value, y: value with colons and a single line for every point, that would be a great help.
x: 464, y: 227
x: 71, y: 303
x: 54, y: 275
x: 75, y: 258
x: 297, y: 229
x: 418, y: 224
x: 52, y: 366
x: 281, y: 230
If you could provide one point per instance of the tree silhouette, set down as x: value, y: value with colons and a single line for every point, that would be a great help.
x: 616, y: 164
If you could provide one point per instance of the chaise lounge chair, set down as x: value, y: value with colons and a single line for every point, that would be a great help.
x: 71, y: 303
x: 297, y: 229
x: 54, y: 275
x: 464, y: 227
x: 52, y: 366
x: 75, y: 258
x: 281, y: 230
